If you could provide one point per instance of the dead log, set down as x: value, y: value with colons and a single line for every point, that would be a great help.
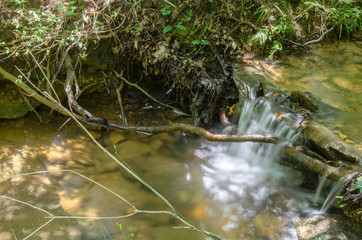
x: 297, y: 160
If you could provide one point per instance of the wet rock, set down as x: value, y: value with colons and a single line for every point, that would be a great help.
x: 250, y: 84
x: 94, y: 134
x: 267, y: 225
x: 311, y: 227
x: 305, y: 99
x: 330, y: 145
x: 80, y: 158
x: 133, y: 149
x: 12, y: 104
x: 156, y: 144
x: 343, y: 83
x: 116, y: 137
x: 107, y: 166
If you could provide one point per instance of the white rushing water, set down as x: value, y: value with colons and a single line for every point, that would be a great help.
x: 243, y: 178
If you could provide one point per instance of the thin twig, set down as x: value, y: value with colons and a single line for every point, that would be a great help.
x: 170, y: 3
x: 320, y: 38
x: 118, y: 91
x: 144, y: 92
x: 29, y: 105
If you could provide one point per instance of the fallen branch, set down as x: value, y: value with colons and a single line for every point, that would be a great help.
x: 304, y: 45
x: 168, y: 128
x: 188, y: 128
x: 31, y: 92
x: 302, y: 162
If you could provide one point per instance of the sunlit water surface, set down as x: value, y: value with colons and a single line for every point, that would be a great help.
x: 332, y: 72
x: 233, y: 190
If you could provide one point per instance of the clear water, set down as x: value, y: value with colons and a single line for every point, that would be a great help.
x: 332, y: 72
x: 234, y: 190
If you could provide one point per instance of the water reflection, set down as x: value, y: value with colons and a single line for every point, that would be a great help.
x: 331, y: 72
x: 232, y: 190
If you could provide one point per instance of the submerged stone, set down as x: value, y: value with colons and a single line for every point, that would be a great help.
x: 331, y: 227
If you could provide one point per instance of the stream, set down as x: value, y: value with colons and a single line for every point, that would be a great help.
x: 232, y: 189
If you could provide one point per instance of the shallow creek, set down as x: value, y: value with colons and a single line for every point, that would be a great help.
x: 206, y: 183
x: 332, y: 72
x: 234, y: 190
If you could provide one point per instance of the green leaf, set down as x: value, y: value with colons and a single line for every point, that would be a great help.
x: 205, y: 42
x: 119, y: 225
x: 195, y: 42
x: 186, y: 19
x: 181, y: 27
x: 165, y: 11
x: 137, y: 27
x: 193, y: 32
x: 189, y: 12
x: 70, y: 13
x: 167, y: 29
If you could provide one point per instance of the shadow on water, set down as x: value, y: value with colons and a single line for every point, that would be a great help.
x: 235, y: 190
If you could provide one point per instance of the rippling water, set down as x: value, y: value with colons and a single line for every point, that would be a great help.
x: 234, y: 190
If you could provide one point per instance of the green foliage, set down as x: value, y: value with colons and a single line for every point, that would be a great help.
x: 190, y: 34
x: 358, y: 186
x: 165, y: 11
x: 280, y: 20
x: 166, y: 29
x: 279, y: 26
x: 323, y: 237
x: 131, y: 235
x: 277, y: 46
x: 341, y: 202
x: 180, y: 27
x: 38, y: 28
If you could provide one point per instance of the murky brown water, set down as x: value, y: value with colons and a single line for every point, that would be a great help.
x: 333, y: 74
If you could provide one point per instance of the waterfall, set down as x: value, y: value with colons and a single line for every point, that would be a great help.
x: 243, y: 178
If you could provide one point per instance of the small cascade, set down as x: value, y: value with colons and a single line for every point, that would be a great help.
x: 321, y: 183
x: 333, y: 192
x: 243, y: 178
x: 337, y: 186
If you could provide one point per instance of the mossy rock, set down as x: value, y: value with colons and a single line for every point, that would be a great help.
x: 305, y: 100
x: 329, y: 145
x: 12, y: 103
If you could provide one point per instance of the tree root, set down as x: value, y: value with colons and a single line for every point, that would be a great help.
x: 89, y: 118
x: 120, y: 76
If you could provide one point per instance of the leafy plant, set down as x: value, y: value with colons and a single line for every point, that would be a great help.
x: 358, y: 186
x: 167, y: 29
x: 165, y: 11
x: 323, y: 237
